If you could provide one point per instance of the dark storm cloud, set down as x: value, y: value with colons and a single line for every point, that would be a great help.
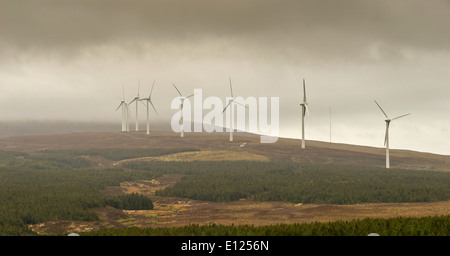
x: 327, y: 28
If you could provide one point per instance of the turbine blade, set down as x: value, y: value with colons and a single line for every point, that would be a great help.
x: 132, y: 101
x: 381, y: 109
x: 226, y: 106
x: 231, y: 88
x: 153, y: 107
x: 139, y: 84
x: 400, y: 116
x: 190, y: 95
x: 177, y: 90
x: 119, y: 106
x: 304, y: 91
x: 245, y: 106
x: 306, y: 108
x: 151, y: 90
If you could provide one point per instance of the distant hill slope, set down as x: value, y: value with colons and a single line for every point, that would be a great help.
x: 283, y: 150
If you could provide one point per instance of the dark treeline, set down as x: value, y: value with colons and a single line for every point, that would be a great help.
x: 300, y: 183
x: 401, y: 226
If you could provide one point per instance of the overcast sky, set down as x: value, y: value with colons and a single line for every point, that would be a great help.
x: 68, y: 60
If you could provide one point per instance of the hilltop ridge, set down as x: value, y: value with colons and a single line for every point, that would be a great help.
x: 284, y: 149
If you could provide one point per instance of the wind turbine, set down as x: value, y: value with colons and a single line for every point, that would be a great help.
x: 386, y: 138
x: 124, y: 106
x: 182, y: 98
x: 230, y: 103
x: 304, y: 105
x: 136, y: 99
x: 149, y: 101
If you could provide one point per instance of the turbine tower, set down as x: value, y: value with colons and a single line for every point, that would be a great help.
x: 136, y: 99
x: 149, y: 101
x: 182, y: 98
x: 128, y: 118
x: 304, y: 105
x: 124, y: 106
x: 386, y: 138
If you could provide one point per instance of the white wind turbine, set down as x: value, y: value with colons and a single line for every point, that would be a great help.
x: 304, y: 105
x: 136, y: 99
x: 230, y: 103
x: 182, y: 98
x: 149, y: 101
x: 386, y: 138
x: 124, y: 106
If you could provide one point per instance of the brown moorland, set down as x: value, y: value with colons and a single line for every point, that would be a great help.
x: 216, y: 146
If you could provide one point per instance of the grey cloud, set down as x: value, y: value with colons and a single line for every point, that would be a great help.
x: 324, y: 28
